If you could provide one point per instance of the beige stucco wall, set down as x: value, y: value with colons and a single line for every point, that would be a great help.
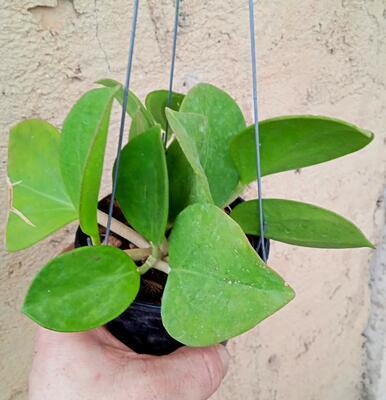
x: 322, y: 57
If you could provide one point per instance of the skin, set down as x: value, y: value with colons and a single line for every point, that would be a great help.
x: 94, y: 365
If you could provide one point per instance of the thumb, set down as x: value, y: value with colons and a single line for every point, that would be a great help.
x: 194, y: 373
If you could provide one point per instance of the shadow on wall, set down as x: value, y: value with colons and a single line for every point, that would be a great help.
x: 374, y: 379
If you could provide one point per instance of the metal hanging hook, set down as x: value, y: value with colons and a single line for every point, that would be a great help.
x: 123, y: 119
x: 170, y: 95
x: 256, y: 121
x: 172, y: 65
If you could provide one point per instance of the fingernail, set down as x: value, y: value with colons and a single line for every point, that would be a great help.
x: 224, y: 355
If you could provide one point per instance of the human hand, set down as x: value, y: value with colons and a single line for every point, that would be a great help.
x: 94, y: 365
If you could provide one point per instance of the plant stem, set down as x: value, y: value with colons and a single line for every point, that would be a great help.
x: 150, y: 262
x: 154, y: 253
x: 123, y: 230
x: 162, y: 266
x: 154, y: 261
x: 139, y: 254
x: 159, y: 265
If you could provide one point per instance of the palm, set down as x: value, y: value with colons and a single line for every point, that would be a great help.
x: 94, y: 365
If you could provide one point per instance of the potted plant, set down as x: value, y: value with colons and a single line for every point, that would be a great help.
x: 180, y: 255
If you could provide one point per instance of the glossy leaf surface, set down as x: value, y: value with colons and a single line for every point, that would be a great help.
x: 82, y: 152
x: 142, y: 119
x: 39, y: 203
x: 293, y: 142
x: 190, y: 129
x: 218, y: 287
x: 300, y: 224
x: 181, y: 180
x: 142, y: 190
x: 157, y: 101
x: 188, y: 181
x: 82, y: 289
x: 225, y: 120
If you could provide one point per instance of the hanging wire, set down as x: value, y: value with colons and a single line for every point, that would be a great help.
x: 256, y: 120
x: 123, y: 119
x: 172, y: 65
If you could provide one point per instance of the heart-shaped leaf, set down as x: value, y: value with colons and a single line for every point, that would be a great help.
x: 225, y: 120
x: 187, y: 179
x: 142, y: 119
x: 82, y: 152
x: 82, y: 289
x: 218, y: 287
x: 293, y: 142
x: 298, y: 223
x: 142, y: 190
x: 157, y: 101
x: 39, y: 203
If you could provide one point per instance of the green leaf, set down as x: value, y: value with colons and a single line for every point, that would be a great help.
x: 139, y: 124
x: 225, y: 120
x: 82, y: 289
x: 188, y: 181
x: 218, y: 287
x: 292, y: 142
x: 142, y: 119
x: 181, y: 180
x: 298, y: 223
x: 82, y: 153
x: 39, y: 203
x: 142, y: 190
x: 157, y: 101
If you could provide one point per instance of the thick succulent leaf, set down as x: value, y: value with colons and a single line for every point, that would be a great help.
x: 181, y: 180
x: 39, y: 203
x: 218, y: 287
x: 293, y: 142
x: 157, y: 101
x: 189, y: 129
x: 82, y: 289
x: 142, y: 190
x: 298, y: 223
x: 225, y: 120
x: 82, y: 153
x: 142, y: 119
x: 139, y: 124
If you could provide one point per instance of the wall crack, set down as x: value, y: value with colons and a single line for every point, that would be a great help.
x: 97, y: 36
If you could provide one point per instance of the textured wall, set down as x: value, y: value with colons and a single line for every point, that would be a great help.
x: 375, y: 333
x: 322, y: 57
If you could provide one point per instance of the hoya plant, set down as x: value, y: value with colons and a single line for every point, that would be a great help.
x: 172, y: 206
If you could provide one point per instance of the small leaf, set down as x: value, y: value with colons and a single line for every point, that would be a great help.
x: 225, y: 120
x: 142, y: 119
x: 82, y: 289
x: 218, y: 287
x: 190, y: 182
x: 139, y: 124
x: 293, y: 142
x: 39, y: 203
x: 300, y: 224
x: 82, y: 153
x: 181, y: 180
x: 142, y: 190
x: 157, y: 101
x: 188, y: 128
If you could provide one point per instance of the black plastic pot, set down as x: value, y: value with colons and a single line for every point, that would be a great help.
x: 140, y: 326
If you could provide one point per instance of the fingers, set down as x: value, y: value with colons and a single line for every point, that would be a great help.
x: 191, y: 373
